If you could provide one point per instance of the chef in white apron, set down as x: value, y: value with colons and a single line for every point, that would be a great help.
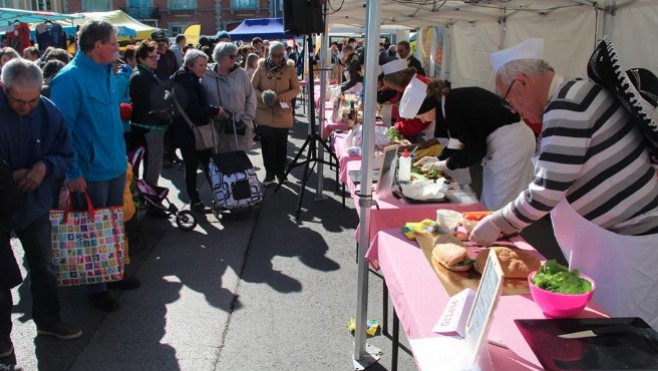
x: 624, y: 266
x: 480, y: 129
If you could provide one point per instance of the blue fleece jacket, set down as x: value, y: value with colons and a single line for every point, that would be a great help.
x: 86, y: 93
x: 41, y: 135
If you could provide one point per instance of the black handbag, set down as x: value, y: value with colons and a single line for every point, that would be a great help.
x: 11, y: 198
x: 231, y: 126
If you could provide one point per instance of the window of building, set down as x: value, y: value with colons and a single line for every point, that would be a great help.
x: 182, y: 4
x: 177, y: 28
x: 96, y: 5
x: 41, y: 5
x: 244, y: 4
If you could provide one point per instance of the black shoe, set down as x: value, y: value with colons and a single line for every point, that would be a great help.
x: 104, y: 301
x: 60, y: 330
x: 282, y: 178
x: 269, y: 180
x: 130, y: 283
x: 6, y: 349
x: 198, y: 207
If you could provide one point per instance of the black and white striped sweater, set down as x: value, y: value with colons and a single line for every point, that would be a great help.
x: 592, y: 153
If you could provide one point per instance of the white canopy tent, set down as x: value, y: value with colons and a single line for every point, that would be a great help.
x: 474, y: 29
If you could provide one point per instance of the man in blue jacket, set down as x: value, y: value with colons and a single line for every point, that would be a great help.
x: 86, y: 93
x: 35, y: 146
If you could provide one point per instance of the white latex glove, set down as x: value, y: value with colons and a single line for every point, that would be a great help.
x: 426, y: 160
x: 439, y: 165
x: 485, y: 232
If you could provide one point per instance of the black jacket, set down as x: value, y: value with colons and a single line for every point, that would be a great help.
x: 471, y: 114
x: 415, y: 63
x: 191, y: 96
x: 167, y: 65
x: 149, y: 98
x: 353, y: 64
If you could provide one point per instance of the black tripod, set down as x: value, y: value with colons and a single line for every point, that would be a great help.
x: 312, y: 139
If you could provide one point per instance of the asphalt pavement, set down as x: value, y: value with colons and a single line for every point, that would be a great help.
x: 255, y: 292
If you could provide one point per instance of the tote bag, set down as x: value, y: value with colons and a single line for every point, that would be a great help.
x: 87, y: 246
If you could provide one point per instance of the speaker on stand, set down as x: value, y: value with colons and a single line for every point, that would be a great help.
x: 306, y: 17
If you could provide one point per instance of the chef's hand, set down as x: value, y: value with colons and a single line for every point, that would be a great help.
x: 439, y: 165
x: 426, y: 160
x: 485, y: 232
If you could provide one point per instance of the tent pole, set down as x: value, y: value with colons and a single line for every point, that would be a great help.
x: 323, y: 89
x: 363, y: 357
x: 434, y: 40
x: 447, y: 49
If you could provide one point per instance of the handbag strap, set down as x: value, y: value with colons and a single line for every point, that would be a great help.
x: 69, y: 205
x: 182, y: 112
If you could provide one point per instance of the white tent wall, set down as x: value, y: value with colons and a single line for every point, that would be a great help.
x: 469, y: 53
x: 634, y: 30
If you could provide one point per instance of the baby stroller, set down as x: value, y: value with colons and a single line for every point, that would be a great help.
x: 156, y: 197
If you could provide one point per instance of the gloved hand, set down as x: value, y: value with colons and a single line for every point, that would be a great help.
x: 438, y: 165
x: 485, y: 232
x: 426, y: 160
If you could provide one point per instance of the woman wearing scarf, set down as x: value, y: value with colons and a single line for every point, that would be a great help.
x: 275, y: 85
x: 228, y: 86
x: 151, y: 110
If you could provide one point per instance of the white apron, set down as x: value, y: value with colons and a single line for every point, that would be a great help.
x: 625, y: 268
x: 507, y: 168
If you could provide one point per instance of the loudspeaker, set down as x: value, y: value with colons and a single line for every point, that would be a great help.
x: 302, y: 17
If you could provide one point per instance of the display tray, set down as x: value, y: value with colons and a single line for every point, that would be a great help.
x: 635, y: 349
x: 400, y: 196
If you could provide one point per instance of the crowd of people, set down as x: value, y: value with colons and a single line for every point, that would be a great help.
x: 71, y: 121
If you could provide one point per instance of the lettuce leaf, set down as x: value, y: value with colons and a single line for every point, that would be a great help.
x: 557, y: 278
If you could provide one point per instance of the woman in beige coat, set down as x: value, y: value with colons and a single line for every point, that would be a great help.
x: 275, y: 84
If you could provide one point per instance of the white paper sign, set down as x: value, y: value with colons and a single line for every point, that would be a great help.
x: 453, y: 319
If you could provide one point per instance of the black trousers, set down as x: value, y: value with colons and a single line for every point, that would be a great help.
x: 35, y: 239
x: 192, y: 159
x: 274, y: 142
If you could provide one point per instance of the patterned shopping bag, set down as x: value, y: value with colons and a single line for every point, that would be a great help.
x: 87, y: 246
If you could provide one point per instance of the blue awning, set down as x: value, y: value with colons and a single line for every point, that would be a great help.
x: 265, y: 28
x: 9, y: 16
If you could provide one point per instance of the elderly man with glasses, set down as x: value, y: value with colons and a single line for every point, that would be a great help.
x: 35, y: 147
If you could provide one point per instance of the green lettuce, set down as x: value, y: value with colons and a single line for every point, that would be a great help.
x: 557, y: 278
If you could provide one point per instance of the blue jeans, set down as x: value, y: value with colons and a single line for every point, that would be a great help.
x: 36, y: 242
x: 102, y: 194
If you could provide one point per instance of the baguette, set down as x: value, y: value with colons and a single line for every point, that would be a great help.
x: 515, y: 263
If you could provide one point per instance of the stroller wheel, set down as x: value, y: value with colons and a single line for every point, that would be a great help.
x: 186, y: 220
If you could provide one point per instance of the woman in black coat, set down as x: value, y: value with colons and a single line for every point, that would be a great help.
x: 151, y: 110
x: 191, y: 96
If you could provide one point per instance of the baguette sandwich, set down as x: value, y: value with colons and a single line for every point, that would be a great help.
x: 452, y: 254
x: 515, y: 263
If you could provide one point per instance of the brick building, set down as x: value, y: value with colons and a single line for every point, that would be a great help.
x: 172, y: 15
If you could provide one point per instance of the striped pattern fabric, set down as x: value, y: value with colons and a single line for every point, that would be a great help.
x: 592, y: 153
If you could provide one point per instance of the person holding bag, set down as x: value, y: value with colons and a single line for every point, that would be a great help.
x: 228, y: 86
x: 192, y: 110
x: 275, y: 85
x: 151, y: 110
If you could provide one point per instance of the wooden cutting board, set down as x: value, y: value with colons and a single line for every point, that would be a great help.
x: 454, y: 282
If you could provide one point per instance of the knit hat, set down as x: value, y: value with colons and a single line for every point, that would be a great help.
x: 636, y: 89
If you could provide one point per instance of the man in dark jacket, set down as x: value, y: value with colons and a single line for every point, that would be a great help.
x: 35, y: 143
x: 404, y: 51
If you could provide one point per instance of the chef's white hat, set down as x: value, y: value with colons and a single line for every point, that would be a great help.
x: 528, y: 49
x: 378, y: 70
x: 394, y: 66
x: 412, y: 98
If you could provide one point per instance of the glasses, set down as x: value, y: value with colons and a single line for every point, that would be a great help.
x: 232, y: 56
x: 20, y: 102
x: 276, y: 55
x: 153, y: 57
x: 506, y: 103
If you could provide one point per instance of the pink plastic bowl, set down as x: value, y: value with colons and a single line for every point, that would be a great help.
x: 560, y: 305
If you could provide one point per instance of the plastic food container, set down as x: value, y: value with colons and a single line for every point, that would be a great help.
x: 471, y: 218
x: 449, y: 219
x: 560, y: 305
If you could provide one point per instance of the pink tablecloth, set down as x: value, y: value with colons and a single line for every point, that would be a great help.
x: 340, y: 149
x: 419, y: 300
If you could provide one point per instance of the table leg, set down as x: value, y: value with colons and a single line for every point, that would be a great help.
x: 396, y: 341
x: 343, y: 195
x: 384, y: 308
